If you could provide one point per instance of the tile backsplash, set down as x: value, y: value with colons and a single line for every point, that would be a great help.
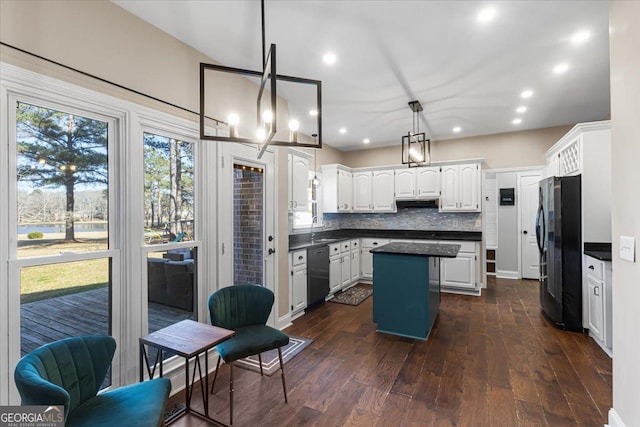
x: 405, y: 219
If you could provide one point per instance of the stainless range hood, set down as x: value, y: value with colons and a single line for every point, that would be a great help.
x: 427, y: 204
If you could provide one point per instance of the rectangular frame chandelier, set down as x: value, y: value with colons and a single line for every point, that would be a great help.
x: 266, y: 126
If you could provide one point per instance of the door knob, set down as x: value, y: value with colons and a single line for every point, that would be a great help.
x: 271, y: 251
x: 525, y: 232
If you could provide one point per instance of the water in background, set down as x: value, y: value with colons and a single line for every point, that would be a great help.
x: 80, y: 227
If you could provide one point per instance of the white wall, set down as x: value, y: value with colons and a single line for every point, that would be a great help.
x: 507, y: 252
x: 625, y: 136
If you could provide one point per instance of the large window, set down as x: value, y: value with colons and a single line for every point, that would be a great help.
x: 62, y: 218
x: 169, y: 205
x: 168, y: 189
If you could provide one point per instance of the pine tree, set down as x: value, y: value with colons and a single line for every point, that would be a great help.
x: 57, y: 149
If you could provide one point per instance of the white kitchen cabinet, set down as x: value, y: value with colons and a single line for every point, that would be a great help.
x: 362, y: 191
x: 335, y: 274
x: 460, y: 188
x: 405, y: 183
x: 461, y: 274
x: 337, y: 191
x: 355, y: 261
x: 597, y: 278
x: 418, y: 183
x: 373, y: 191
x: 586, y: 151
x: 298, y: 183
x: 382, y: 191
x: 298, y: 282
x: 596, y: 308
x: 458, y: 272
x: 366, y: 257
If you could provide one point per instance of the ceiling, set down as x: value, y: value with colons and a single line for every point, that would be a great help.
x: 466, y: 73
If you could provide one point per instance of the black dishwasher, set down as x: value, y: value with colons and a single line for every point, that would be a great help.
x: 317, y: 274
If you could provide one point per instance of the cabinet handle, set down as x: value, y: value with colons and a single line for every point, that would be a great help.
x: 591, y: 267
x: 596, y: 291
x: 300, y: 257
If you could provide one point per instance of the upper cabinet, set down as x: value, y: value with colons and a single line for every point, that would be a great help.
x: 337, y: 191
x: 586, y: 151
x: 362, y: 192
x: 418, y: 183
x: 382, y: 187
x: 298, y: 182
x: 376, y: 189
x: 460, y: 188
x: 373, y: 191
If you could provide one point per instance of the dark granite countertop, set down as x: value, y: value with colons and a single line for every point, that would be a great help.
x: 303, y: 241
x: 601, y: 251
x: 419, y: 249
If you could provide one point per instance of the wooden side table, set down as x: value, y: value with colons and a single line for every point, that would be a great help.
x: 187, y: 339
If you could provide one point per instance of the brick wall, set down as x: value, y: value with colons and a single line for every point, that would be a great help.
x: 247, y: 226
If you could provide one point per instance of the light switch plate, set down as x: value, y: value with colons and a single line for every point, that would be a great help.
x: 628, y: 248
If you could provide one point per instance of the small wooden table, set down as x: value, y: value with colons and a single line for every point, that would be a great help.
x: 187, y: 339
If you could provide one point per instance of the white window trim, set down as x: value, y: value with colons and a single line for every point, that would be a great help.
x: 127, y: 214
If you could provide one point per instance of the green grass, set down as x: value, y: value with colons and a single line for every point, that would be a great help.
x: 49, y: 281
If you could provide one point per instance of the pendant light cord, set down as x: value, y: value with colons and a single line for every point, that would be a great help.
x: 264, y: 52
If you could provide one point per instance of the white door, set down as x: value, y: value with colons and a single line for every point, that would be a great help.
x: 355, y: 265
x: 299, y: 289
x: 594, y: 289
x: 346, y: 269
x: 254, y: 263
x: 366, y: 263
x: 530, y: 258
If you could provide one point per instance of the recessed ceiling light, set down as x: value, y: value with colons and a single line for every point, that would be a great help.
x: 366, y: 141
x: 521, y: 109
x: 329, y: 58
x: 313, y: 113
x: 580, y: 37
x: 457, y: 129
x: 517, y: 121
x: 487, y: 14
x: 343, y: 130
x: 561, y: 68
x: 526, y: 93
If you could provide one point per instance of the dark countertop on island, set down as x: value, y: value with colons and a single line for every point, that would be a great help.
x: 601, y: 251
x: 419, y: 249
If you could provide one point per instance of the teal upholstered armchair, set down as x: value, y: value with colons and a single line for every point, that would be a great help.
x: 70, y: 372
x: 245, y: 309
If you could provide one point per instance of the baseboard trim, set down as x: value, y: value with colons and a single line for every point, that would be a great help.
x: 284, y: 321
x: 502, y: 274
x: 614, y: 419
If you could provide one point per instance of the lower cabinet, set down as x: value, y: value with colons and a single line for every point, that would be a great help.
x: 597, y: 301
x: 460, y: 274
x: 366, y: 257
x: 335, y: 274
x: 298, y: 282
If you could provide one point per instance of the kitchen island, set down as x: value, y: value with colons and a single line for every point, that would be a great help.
x: 406, y: 287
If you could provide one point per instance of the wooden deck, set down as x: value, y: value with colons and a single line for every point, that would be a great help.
x: 49, y: 320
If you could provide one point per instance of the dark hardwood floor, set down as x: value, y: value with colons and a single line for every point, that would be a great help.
x: 490, y: 361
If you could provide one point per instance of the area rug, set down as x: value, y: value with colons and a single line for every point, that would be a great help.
x: 352, y: 296
x: 270, y: 362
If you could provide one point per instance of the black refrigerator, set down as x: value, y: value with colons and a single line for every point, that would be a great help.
x: 559, y: 236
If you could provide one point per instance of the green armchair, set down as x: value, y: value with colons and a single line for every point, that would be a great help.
x: 245, y: 309
x: 70, y: 372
